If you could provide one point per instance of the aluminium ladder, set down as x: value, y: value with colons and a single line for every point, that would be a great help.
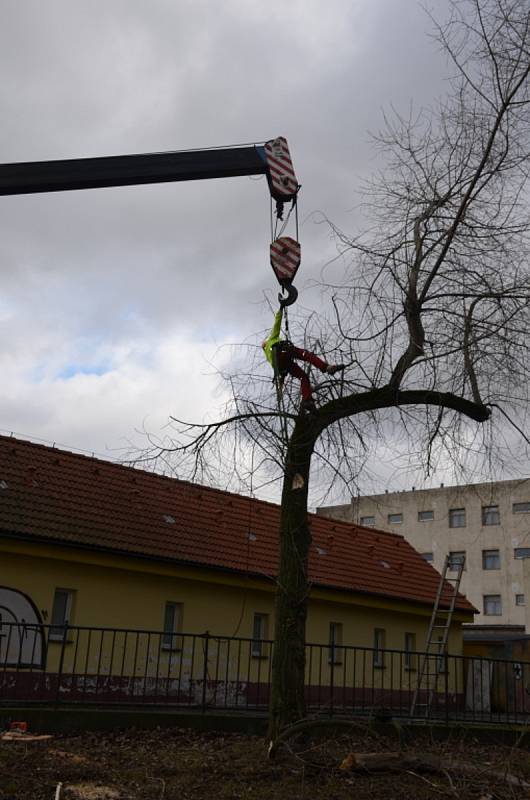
x: 433, y: 660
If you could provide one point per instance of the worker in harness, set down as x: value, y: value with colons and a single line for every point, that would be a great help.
x: 282, y: 356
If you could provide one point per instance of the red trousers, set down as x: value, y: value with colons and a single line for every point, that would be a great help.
x: 285, y: 359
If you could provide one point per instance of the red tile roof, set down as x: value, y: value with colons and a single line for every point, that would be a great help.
x: 54, y: 495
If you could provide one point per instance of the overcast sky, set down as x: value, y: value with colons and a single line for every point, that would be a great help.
x: 115, y: 302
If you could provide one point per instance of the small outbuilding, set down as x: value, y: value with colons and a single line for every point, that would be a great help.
x: 96, y: 552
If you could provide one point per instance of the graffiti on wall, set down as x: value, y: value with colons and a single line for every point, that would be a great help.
x: 21, y: 635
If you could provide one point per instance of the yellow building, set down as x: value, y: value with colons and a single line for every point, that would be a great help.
x: 92, y: 553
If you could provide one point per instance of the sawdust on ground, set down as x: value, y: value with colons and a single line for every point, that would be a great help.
x: 175, y: 763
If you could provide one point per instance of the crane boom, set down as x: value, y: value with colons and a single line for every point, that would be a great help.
x: 185, y: 165
x: 271, y: 159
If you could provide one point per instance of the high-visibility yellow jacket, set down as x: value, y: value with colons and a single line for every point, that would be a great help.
x: 273, y: 338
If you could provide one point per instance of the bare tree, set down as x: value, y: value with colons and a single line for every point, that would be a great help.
x: 432, y: 315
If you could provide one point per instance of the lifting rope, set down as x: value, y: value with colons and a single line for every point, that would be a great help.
x: 285, y: 259
x: 285, y: 254
x: 278, y: 383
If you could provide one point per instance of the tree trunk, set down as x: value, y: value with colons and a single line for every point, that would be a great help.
x: 288, y: 663
x: 287, y: 703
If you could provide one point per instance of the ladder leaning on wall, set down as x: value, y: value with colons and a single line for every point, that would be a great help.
x: 433, y: 664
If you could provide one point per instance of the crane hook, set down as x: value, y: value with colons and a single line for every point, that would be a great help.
x: 292, y: 295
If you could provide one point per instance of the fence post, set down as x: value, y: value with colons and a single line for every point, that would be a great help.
x: 332, y: 677
x: 61, y: 661
x: 446, y: 659
x: 206, y: 637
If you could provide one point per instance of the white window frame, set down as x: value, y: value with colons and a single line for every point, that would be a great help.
x: 491, y: 512
x: 441, y: 666
x: 260, y: 631
x: 455, y: 558
x: 410, y: 651
x: 396, y: 521
x: 335, y: 643
x: 423, y: 518
x: 171, y: 636
x: 379, y: 648
x: 494, y: 599
x: 368, y: 520
x: 517, y: 603
x: 495, y: 555
x: 457, y: 514
x: 57, y: 630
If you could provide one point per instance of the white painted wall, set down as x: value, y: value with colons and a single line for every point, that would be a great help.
x: 437, y: 537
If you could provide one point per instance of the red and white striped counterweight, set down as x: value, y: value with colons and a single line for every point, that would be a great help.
x: 285, y: 259
x: 280, y: 171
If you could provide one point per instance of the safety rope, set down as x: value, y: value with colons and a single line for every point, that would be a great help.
x: 278, y: 383
x: 281, y: 407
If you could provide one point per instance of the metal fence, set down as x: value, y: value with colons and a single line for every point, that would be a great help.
x: 47, y: 664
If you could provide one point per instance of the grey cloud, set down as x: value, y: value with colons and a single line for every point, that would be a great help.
x: 141, y: 266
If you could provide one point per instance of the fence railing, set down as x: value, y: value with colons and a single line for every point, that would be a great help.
x: 73, y: 664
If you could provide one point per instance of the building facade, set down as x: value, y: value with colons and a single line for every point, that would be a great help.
x: 488, y: 523
x: 84, y: 542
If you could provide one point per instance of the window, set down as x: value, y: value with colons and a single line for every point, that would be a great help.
x: 490, y: 515
x: 410, y: 650
x: 379, y: 647
x: 457, y: 558
x: 492, y: 605
x: 521, y: 508
x: 521, y: 552
x: 427, y: 556
x: 491, y: 559
x: 61, y: 612
x: 425, y: 516
x: 335, y: 642
x: 441, y: 661
x: 260, y: 631
x: 519, y: 600
x: 368, y: 520
x: 395, y: 519
x: 457, y: 517
x: 172, y: 625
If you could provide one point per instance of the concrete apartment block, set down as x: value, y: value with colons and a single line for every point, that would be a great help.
x: 488, y: 522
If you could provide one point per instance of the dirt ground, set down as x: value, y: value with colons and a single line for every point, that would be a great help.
x: 170, y: 764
